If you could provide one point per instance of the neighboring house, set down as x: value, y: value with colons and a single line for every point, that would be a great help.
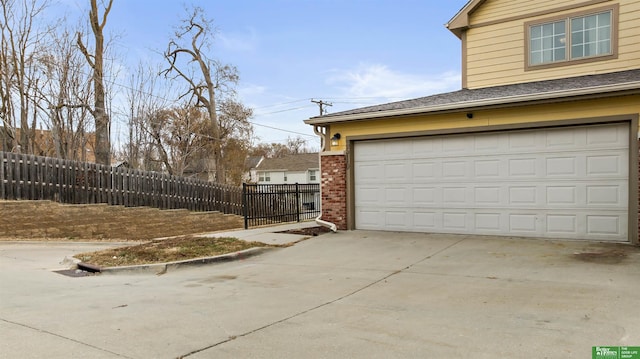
x: 541, y: 141
x: 250, y: 169
x: 301, y: 168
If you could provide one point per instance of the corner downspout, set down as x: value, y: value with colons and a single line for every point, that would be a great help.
x: 331, y: 226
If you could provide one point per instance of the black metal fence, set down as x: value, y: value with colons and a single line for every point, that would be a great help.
x: 267, y: 204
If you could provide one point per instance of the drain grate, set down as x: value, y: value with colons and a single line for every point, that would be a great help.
x: 74, y: 273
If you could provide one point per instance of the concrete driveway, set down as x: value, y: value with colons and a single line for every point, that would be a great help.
x: 352, y: 294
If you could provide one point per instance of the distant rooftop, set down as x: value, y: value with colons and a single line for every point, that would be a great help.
x: 299, y: 162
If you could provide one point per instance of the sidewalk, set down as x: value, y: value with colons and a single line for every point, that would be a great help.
x: 267, y: 234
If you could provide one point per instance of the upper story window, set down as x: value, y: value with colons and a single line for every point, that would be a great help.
x: 312, y: 175
x: 561, y: 41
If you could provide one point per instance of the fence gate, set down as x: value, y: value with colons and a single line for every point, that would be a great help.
x: 277, y: 203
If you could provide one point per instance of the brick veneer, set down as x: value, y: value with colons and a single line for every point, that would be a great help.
x: 334, y: 189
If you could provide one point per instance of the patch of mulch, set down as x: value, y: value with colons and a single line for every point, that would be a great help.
x: 310, y: 231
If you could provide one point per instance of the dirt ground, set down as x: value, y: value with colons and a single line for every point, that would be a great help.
x: 310, y: 231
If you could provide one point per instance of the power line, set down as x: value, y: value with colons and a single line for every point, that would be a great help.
x: 321, y: 104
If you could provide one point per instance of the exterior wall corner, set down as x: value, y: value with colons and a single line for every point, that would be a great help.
x: 333, y: 168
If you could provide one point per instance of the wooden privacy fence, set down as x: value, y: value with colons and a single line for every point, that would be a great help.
x: 28, y: 177
x: 267, y: 204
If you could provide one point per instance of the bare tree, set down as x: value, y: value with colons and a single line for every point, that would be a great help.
x: 96, y: 62
x: 189, y: 48
x: 177, y: 141
x: 20, y: 40
x: 145, y: 100
x: 236, y: 133
x: 292, y: 146
x: 66, y: 93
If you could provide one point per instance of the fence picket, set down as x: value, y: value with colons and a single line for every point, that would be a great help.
x: 65, y: 181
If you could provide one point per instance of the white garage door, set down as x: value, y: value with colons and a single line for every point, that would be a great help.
x: 569, y: 182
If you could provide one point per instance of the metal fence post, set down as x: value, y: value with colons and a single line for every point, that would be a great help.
x: 244, y: 205
x: 297, y: 202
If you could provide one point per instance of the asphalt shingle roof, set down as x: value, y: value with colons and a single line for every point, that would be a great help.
x: 299, y: 162
x: 497, y: 92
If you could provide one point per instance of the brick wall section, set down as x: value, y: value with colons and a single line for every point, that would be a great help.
x: 334, y: 189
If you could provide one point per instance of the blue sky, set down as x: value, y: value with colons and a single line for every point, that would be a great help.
x: 351, y: 53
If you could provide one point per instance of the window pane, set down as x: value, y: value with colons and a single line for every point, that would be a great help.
x: 604, y: 47
x: 536, y: 58
x: 577, y: 38
x: 547, y: 30
x: 577, y: 51
x: 590, y: 22
x: 604, y: 34
x: 559, y: 55
x: 577, y: 24
x: 536, y: 45
x: 536, y: 32
x: 591, y: 49
x: 604, y: 19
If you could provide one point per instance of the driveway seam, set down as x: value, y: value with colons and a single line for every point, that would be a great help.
x: 233, y: 337
x: 66, y: 338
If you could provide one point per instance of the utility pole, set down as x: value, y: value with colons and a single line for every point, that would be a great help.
x: 322, y: 104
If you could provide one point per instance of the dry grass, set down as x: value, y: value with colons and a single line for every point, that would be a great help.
x: 167, y: 250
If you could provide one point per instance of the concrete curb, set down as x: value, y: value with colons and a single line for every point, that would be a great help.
x: 162, y: 268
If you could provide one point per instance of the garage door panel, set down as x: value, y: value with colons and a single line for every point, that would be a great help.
x: 426, y: 220
x: 488, y: 222
x: 610, y: 225
x: 397, y: 172
x: 424, y: 171
x: 559, y: 183
x: 603, y: 165
x: 607, y: 137
x: 610, y: 195
x: 397, y: 220
x: 487, y: 168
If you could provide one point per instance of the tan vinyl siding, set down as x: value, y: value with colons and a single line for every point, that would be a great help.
x: 492, y: 11
x: 496, y: 52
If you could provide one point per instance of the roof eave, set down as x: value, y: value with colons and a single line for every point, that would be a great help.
x: 554, y: 96
x: 460, y: 21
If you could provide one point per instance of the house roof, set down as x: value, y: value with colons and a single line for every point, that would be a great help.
x: 460, y: 21
x: 299, y: 162
x: 252, y: 162
x: 601, y: 85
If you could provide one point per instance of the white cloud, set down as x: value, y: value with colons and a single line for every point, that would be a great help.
x: 251, y: 90
x: 375, y: 80
x: 235, y: 41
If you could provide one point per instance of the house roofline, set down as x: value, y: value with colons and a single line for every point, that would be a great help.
x: 460, y: 21
x: 554, y: 96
